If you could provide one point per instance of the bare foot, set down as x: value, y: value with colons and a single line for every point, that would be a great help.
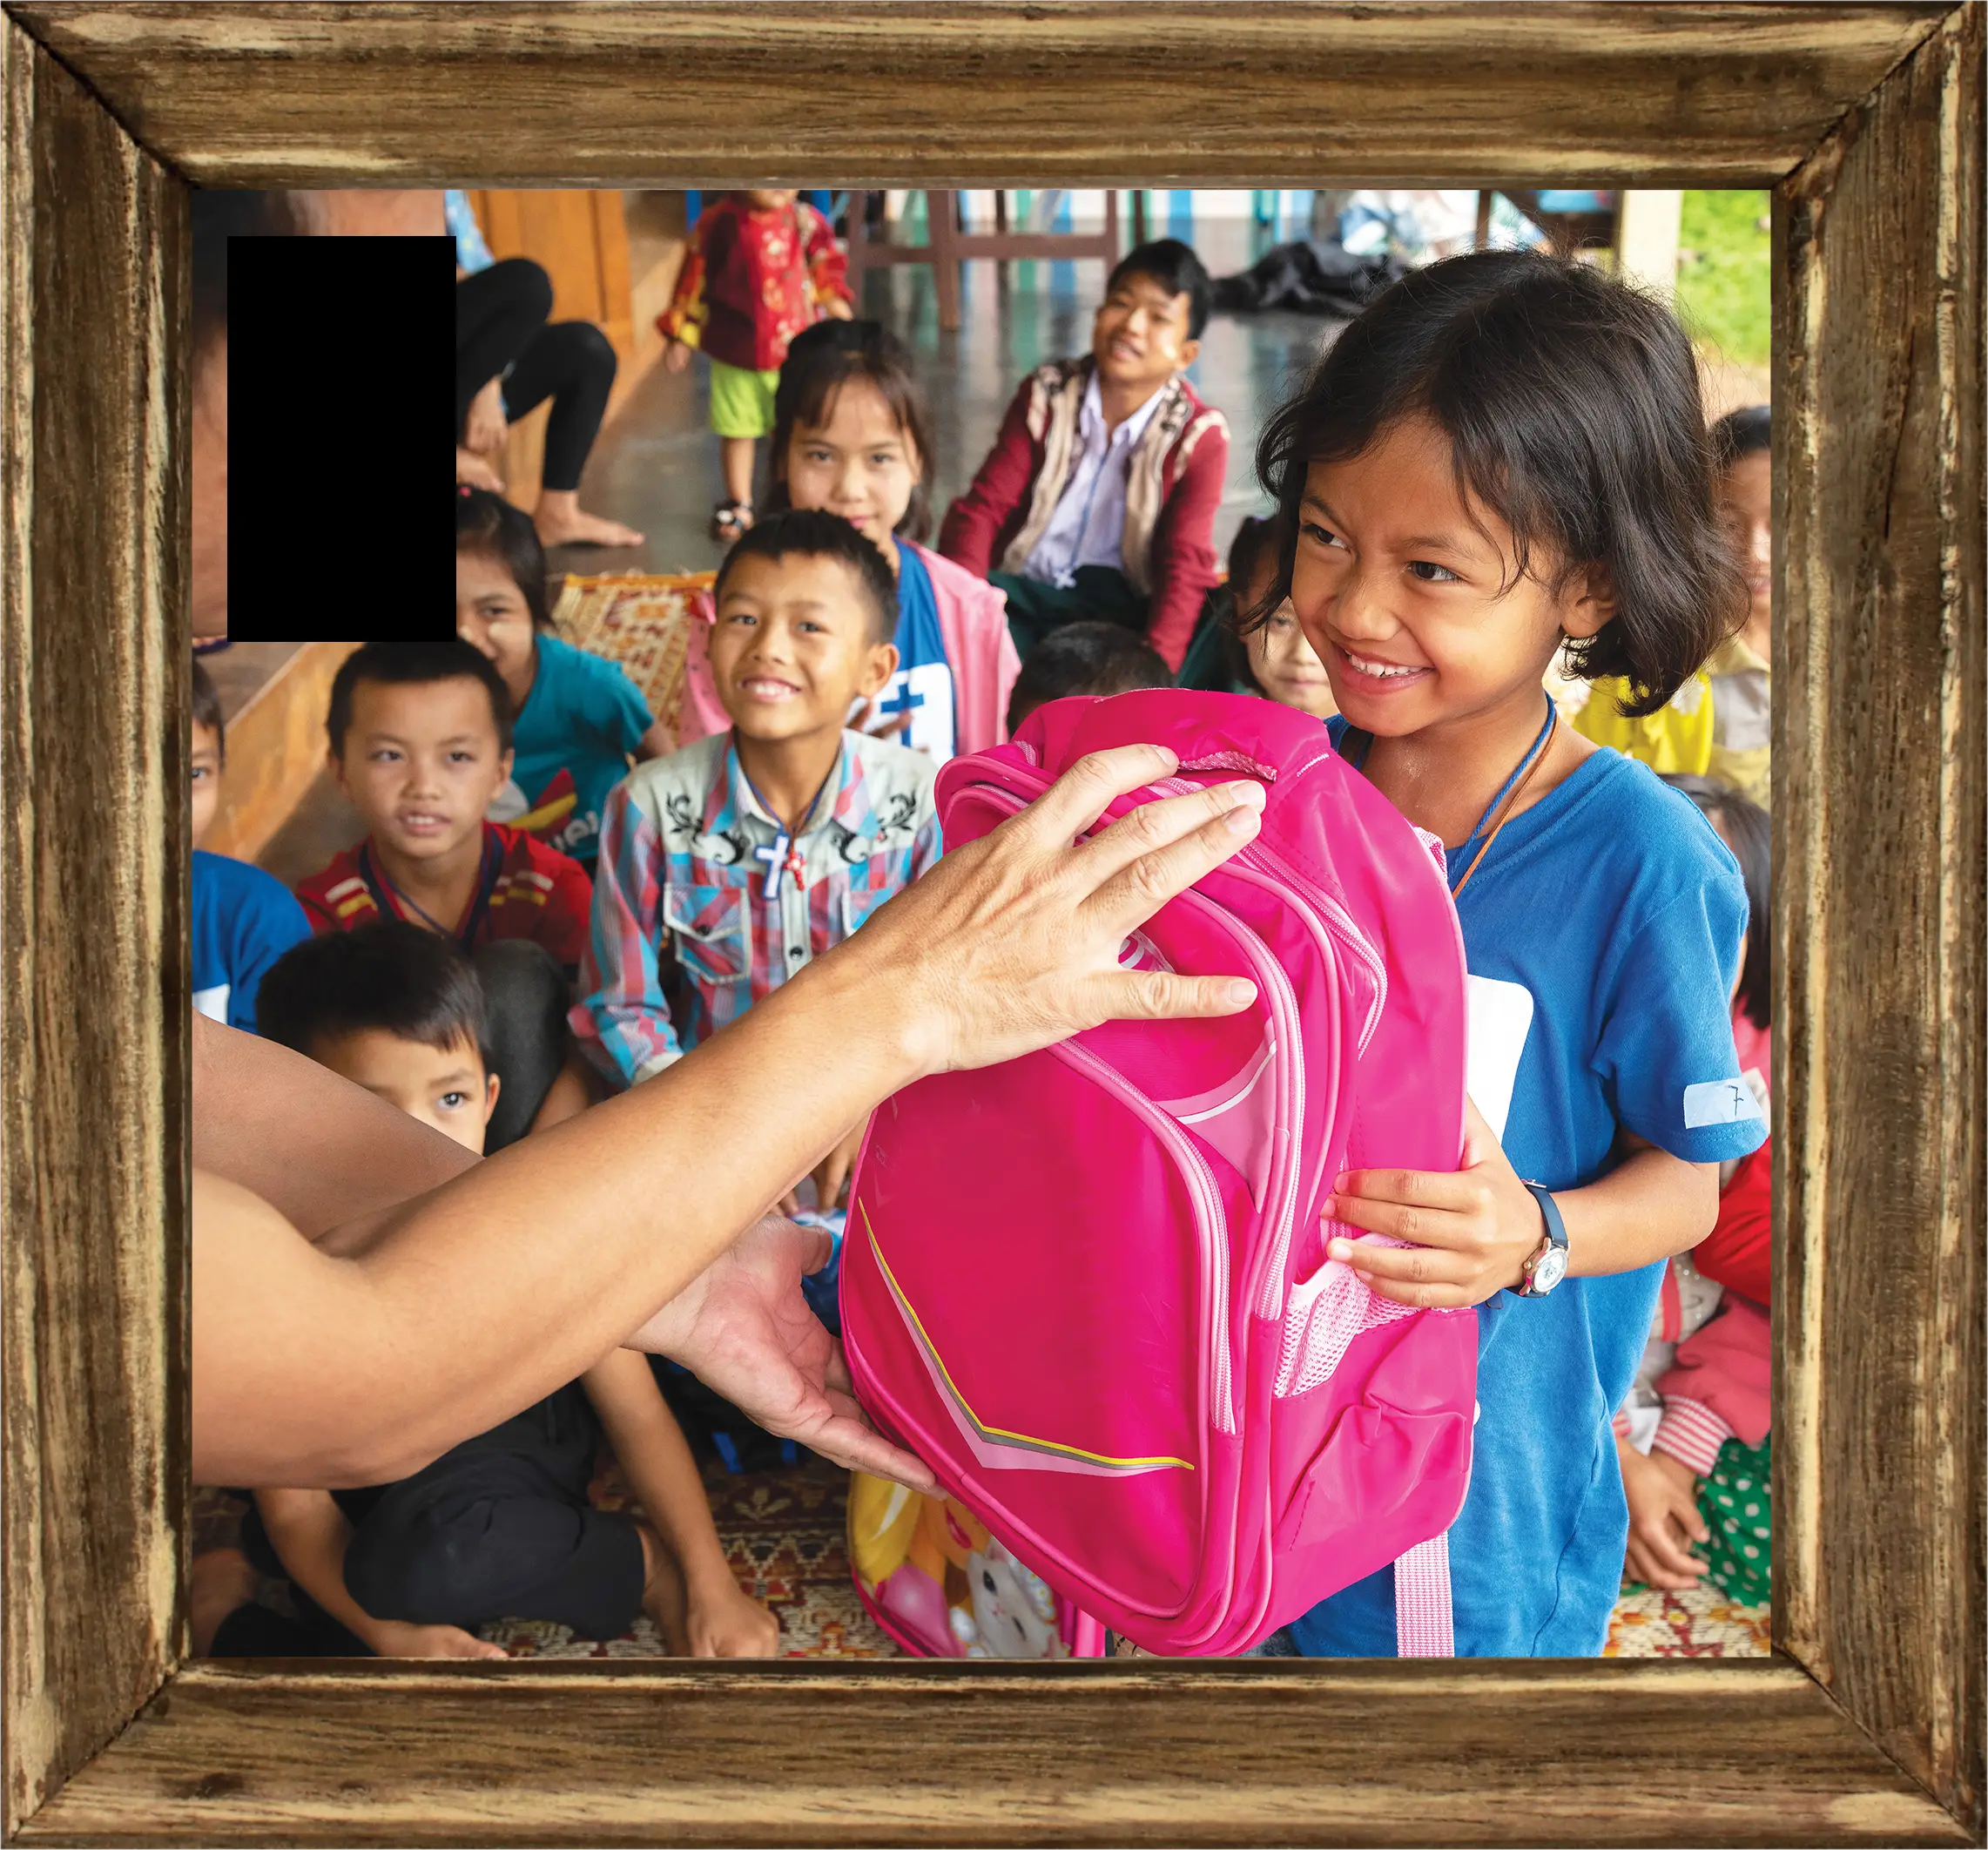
x: 560, y: 522
x: 220, y: 1580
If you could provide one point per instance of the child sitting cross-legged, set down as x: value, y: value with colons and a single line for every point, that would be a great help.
x: 1098, y: 498
x: 725, y: 868
x: 500, y: 1527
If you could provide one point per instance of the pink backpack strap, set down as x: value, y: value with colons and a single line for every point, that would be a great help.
x: 1424, y: 1624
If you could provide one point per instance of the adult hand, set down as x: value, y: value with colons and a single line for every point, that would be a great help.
x: 840, y: 309
x: 1470, y: 1232
x: 676, y: 356
x: 743, y: 1327
x: 1664, y: 1518
x: 485, y: 428
x: 1012, y: 941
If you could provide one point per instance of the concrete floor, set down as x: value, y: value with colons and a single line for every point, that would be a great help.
x: 655, y: 466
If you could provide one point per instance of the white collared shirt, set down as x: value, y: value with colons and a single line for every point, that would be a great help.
x: 1088, y: 525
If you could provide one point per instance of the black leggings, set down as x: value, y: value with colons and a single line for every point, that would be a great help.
x: 501, y: 321
x: 499, y: 1528
x: 525, y: 999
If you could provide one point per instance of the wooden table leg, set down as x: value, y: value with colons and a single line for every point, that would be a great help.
x: 942, y: 226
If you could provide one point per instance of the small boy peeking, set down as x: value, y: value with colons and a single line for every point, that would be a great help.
x: 1098, y: 498
x: 727, y: 867
x: 501, y: 1527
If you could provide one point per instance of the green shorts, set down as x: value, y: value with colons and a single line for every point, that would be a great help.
x: 742, y: 400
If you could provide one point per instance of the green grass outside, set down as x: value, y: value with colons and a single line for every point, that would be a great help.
x: 1722, y: 274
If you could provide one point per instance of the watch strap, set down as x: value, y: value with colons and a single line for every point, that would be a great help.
x: 1555, y: 1240
x: 1556, y: 1227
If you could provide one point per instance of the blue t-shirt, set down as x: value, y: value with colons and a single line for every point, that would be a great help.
x: 244, y: 920
x: 582, y: 719
x: 1602, y: 934
x: 923, y: 683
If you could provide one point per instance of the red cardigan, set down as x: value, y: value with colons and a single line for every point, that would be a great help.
x: 1178, y: 562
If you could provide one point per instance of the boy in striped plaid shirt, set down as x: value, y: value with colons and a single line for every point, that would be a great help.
x: 727, y: 867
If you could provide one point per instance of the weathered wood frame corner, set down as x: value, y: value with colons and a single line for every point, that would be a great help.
x: 1866, y: 1725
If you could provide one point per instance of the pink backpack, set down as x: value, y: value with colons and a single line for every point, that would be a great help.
x: 1088, y: 1286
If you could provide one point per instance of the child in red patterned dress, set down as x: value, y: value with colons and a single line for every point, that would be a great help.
x: 761, y: 266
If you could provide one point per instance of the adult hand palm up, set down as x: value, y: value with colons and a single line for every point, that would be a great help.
x: 744, y: 1328
x: 1012, y: 941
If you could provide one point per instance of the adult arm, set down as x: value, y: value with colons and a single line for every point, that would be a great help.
x: 973, y: 523
x: 484, y: 1294
x: 321, y: 1151
x: 1183, y: 547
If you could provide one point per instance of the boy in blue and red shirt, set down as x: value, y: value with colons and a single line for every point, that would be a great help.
x: 421, y: 742
x: 243, y: 919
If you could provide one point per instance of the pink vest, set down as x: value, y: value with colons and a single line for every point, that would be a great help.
x: 1089, y: 1288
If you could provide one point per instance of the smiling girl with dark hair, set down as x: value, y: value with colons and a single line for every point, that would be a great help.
x: 1504, y: 457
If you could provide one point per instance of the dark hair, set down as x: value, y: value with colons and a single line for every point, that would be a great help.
x: 207, y: 707
x: 490, y: 524
x: 1742, y: 432
x: 1255, y: 539
x: 1750, y: 835
x: 820, y: 361
x: 415, y: 665
x: 1085, y: 659
x: 1572, y: 406
x: 414, y: 984
x: 815, y: 533
x: 217, y: 216
x: 1176, y: 269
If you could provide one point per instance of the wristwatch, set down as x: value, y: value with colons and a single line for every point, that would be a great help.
x: 1547, y: 1267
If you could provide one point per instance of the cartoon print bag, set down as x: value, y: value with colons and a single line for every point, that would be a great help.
x: 942, y: 1587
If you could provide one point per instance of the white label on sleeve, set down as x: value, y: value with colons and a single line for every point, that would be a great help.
x: 1720, y: 1102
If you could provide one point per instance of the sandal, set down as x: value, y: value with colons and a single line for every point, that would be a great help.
x: 729, y: 519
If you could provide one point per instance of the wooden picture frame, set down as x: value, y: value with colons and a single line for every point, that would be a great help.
x: 1867, y: 1723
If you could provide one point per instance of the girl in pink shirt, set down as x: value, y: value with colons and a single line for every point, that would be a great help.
x: 849, y: 439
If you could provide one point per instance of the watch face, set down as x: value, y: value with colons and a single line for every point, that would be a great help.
x: 1549, y: 1270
